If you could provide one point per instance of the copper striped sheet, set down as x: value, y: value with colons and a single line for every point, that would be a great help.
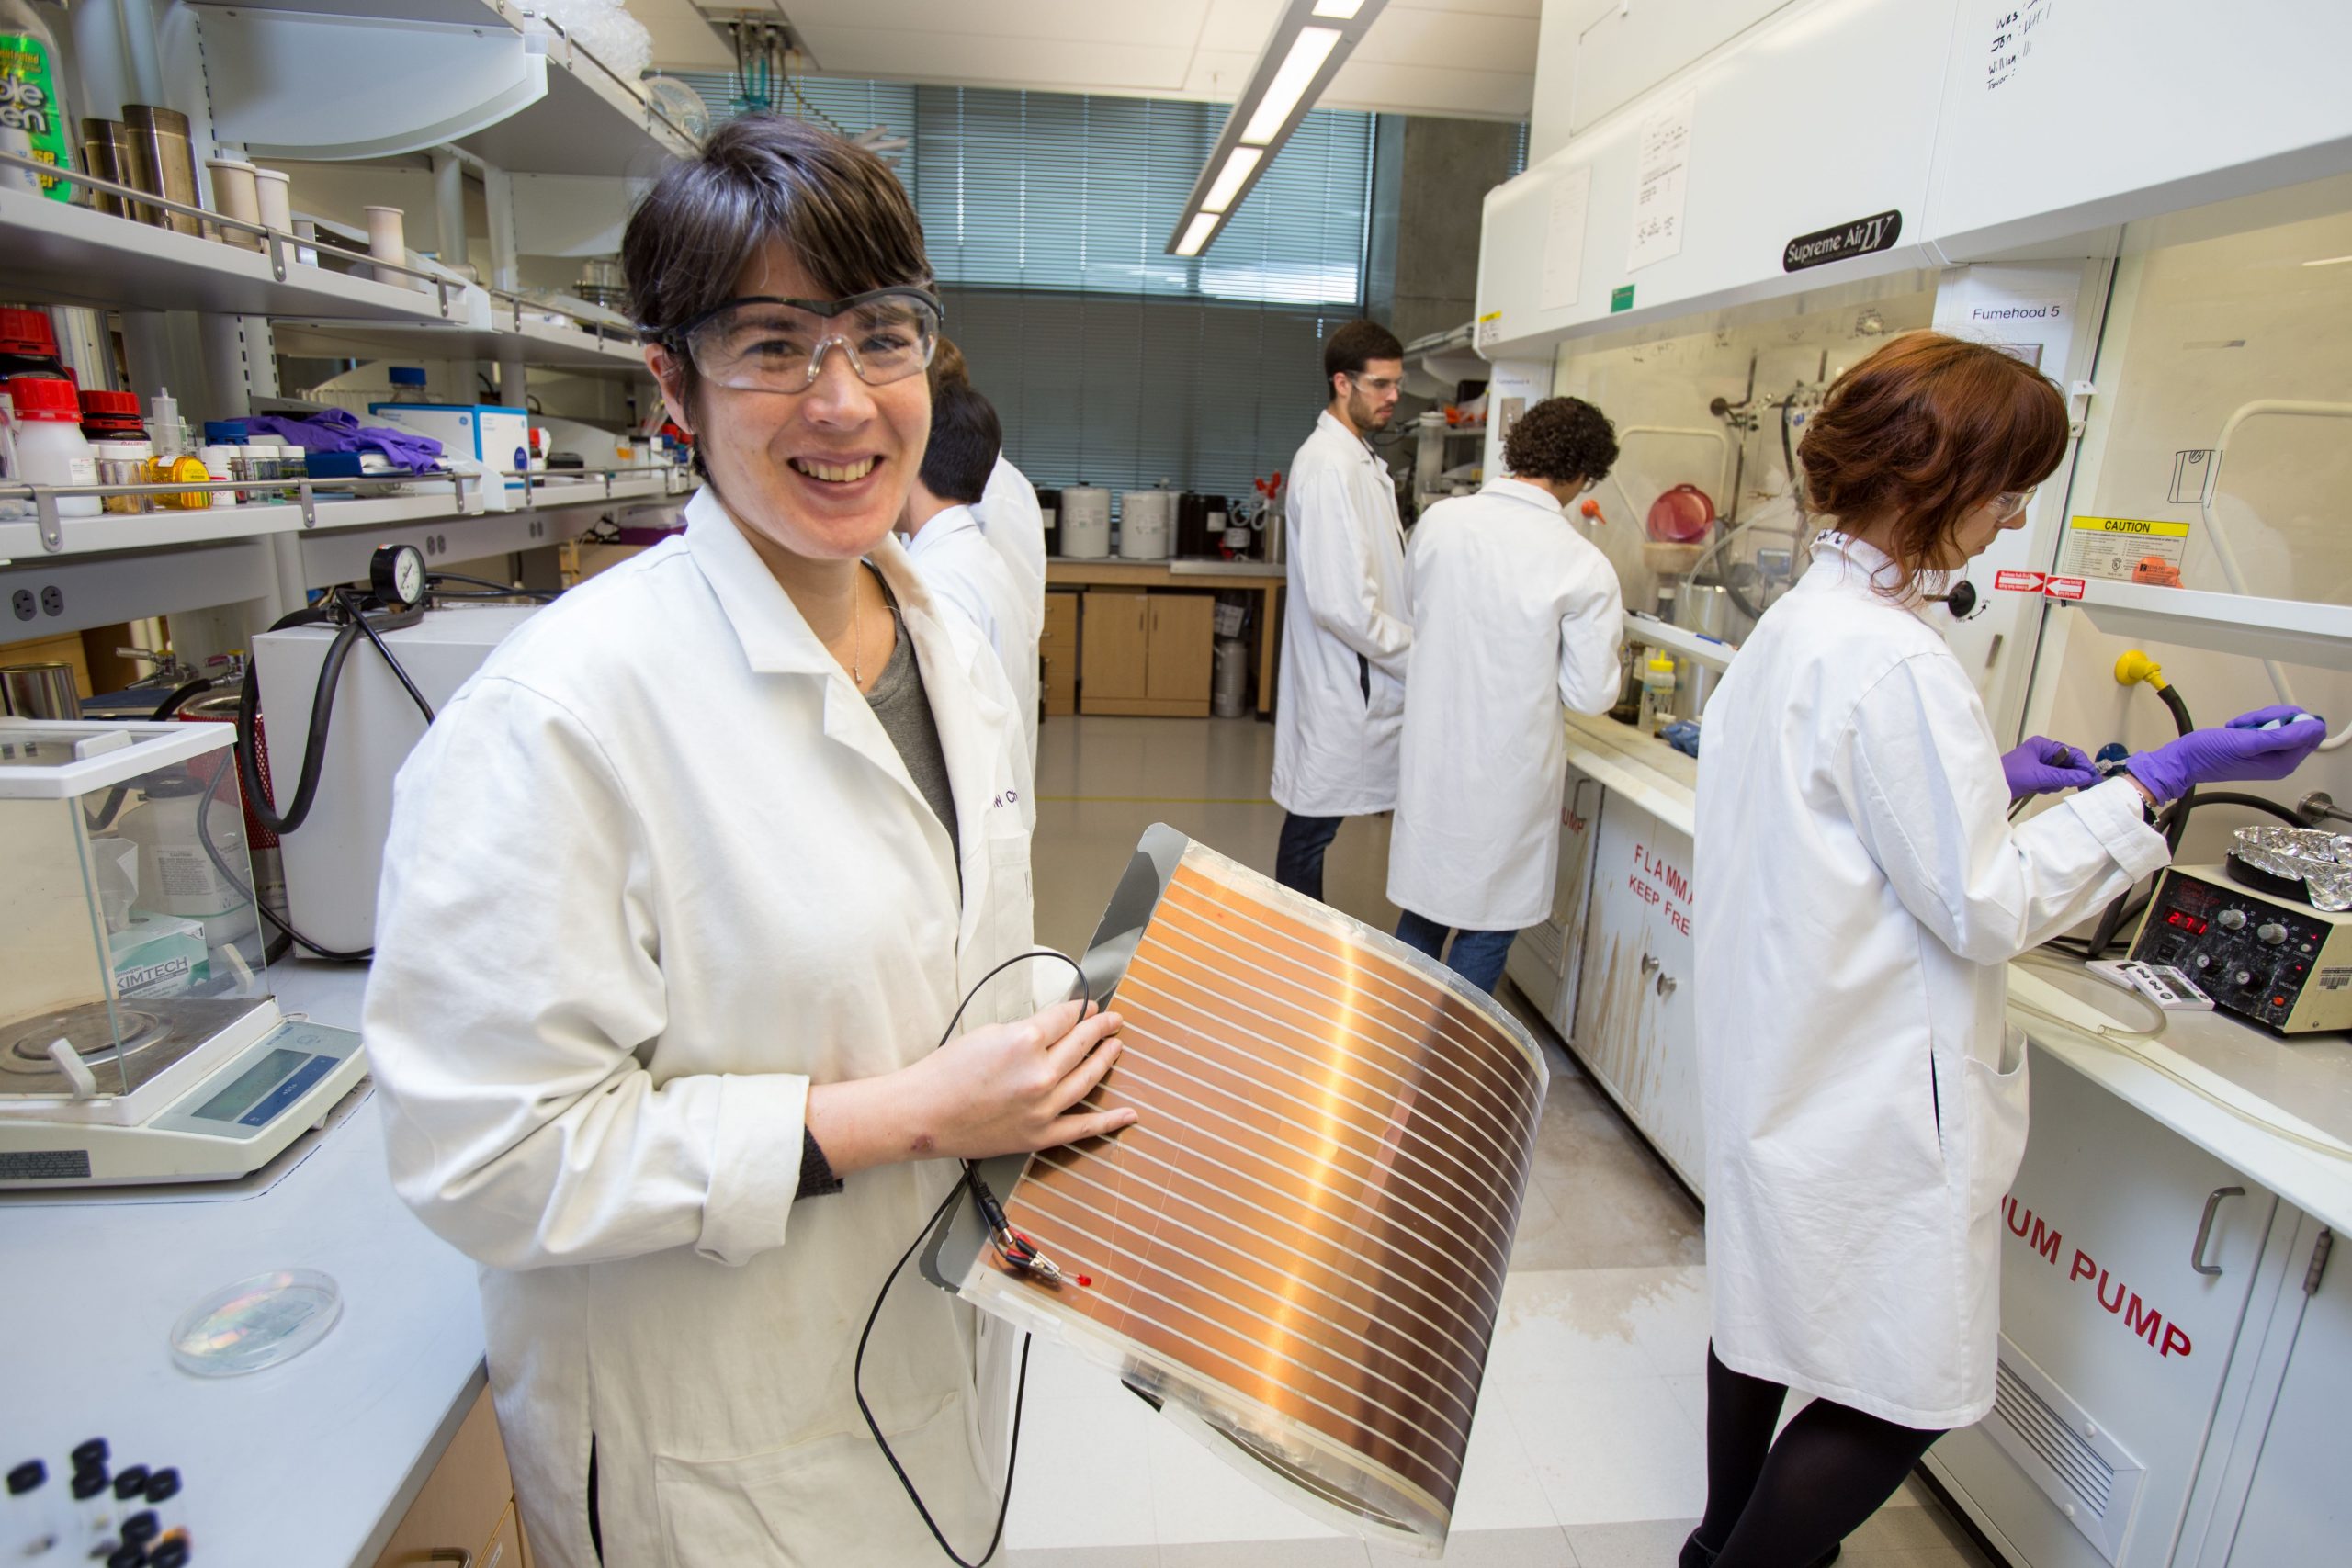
x: 1302, y: 1240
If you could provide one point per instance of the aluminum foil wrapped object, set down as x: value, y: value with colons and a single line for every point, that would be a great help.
x: 1296, y: 1253
x: 2321, y: 861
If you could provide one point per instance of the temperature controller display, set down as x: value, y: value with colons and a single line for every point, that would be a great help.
x: 2182, y: 920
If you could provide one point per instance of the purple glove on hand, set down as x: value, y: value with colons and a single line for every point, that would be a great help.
x: 2043, y: 766
x: 2241, y: 749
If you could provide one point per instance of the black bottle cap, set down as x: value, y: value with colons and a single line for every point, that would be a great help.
x: 90, y: 1454
x: 142, y: 1528
x: 26, y: 1476
x: 165, y: 1483
x: 171, y: 1554
x: 127, y: 1556
x: 131, y: 1483
x: 88, y: 1483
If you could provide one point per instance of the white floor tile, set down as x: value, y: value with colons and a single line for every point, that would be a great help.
x: 1612, y: 1451
x: 1500, y: 1487
x: 1084, y: 1476
x: 1585, y: 1324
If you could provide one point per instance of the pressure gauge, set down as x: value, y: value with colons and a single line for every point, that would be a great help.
x: 397, y: 574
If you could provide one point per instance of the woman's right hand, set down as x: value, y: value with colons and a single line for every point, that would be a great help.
x: 2240, y: 749
x: 1011, y: 1087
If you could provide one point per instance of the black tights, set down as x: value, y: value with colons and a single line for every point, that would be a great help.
x: 1782, y: 1504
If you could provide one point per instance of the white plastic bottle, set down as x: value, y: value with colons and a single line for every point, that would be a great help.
x: 44, y: 444
x: 175, y: 875
x: 1657, y: 690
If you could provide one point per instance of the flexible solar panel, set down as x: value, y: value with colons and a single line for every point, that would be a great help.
x: 1297, y: 1251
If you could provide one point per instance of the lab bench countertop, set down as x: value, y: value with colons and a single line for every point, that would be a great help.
x: 312, y: 1461
x: 2277, y: 1109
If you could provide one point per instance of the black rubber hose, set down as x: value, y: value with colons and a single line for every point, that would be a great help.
x: 2172, y: 820
x: 314, y: 746
x: 174, y: 702
x: 287, y: 935
x: 359, y: 619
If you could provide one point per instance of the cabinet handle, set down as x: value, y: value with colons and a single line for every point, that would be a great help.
x: 2205, y: 1228
x: 1650, y: 963
x: 1666, y: 983
x: 456, y: 1554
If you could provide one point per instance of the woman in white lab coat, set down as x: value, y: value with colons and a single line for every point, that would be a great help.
x: 1860, y: 891
x: 1514, y: 613
x: 681, y: 891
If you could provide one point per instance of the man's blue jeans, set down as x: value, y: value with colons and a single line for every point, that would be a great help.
x: 1299, y: 856
x: 1477, y: 956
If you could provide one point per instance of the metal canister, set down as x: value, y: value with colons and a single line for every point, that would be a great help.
x: 40, y: 690
x: 166, y: 163
x: 106, y: 152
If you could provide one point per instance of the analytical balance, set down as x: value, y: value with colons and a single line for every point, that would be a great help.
x: 139, y: 1039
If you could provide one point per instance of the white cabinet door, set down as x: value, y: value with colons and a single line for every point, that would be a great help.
x: 2299, y: 1509
x: 1545, y: 960
x: 2126, y: 1260
x: 1633, y: 1020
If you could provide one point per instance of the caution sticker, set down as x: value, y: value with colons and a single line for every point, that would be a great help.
x: 2127, y: 549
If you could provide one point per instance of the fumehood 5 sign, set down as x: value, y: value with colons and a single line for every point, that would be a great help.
x: 1862, y: 237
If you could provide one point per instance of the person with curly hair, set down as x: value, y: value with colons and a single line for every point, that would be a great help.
x: 1514, y: 614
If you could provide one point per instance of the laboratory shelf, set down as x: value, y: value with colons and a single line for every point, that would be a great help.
x: 54, y: 253
x: 20, y: 541
x: 512, y: 88
x: 579, y: 348
x: 2292, y: 631
x: 1652, y: 633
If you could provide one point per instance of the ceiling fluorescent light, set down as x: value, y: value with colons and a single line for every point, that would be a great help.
x: 1230, y: 179
x: 1297, y: 63
x: 2329, y: 260
x: 1313, y: 45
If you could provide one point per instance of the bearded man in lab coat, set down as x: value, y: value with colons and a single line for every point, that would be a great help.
x: 1344, y: 632
x: 945, y: 542
x: 1514, y: 613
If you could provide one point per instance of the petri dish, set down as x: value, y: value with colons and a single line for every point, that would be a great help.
x: 256, y: 1323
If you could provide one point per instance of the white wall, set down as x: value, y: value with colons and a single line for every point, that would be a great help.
x: 2204, y: 322
x: 1593, y: 55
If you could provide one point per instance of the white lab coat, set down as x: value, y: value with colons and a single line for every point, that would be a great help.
x: 1858, y: 895
x: 955, y: 560
x: 1345, y: 632
x: 653, y: 872
x: 1514, y: 613
x: 1014, y: 526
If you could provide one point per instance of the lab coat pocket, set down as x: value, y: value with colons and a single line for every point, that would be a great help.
x: 820, y: 1503
x: 1997, y: 1122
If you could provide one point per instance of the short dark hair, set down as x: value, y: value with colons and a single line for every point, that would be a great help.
x: 947, y: 364
x: 965, y: 438
x: 762, y: 179
x: 1926, y: 430
x: 1347, y: 351
x: 1561, y: 438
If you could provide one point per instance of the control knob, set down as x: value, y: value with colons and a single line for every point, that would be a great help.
x: 2204, y: 961
x: 2243, y: 977
x: 2272, y: 932
x: 2232, y: 920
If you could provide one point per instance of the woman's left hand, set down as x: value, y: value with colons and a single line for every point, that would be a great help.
x: 2043, y: 766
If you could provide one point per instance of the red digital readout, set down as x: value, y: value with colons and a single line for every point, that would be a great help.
x: 2187, y: 922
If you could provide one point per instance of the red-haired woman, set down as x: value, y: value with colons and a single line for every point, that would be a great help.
x: 1861, y: 893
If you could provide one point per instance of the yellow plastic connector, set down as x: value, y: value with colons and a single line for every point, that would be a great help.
x: 2136, y: 667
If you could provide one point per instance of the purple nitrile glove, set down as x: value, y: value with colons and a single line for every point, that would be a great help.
x: 2043, y: 766
x: 2241, y: 749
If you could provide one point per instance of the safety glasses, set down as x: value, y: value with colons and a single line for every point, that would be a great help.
x: 762, y: 343
x: 2010, y: 503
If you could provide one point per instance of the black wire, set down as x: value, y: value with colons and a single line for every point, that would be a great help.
x: 289, y: 936
x: 499, y: 589
x: 359, y: 617
x: 978, y: 1190
x: 306, y: 787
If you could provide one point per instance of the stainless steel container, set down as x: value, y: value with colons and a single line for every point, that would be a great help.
x: 166, y: 163
x: 40, y: 690
x: 106, y: 152
x: 1705, y: 608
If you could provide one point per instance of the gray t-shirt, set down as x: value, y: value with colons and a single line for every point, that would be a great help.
x: 899, y: 700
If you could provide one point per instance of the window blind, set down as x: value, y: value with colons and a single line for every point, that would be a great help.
x: 1046, y: 215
